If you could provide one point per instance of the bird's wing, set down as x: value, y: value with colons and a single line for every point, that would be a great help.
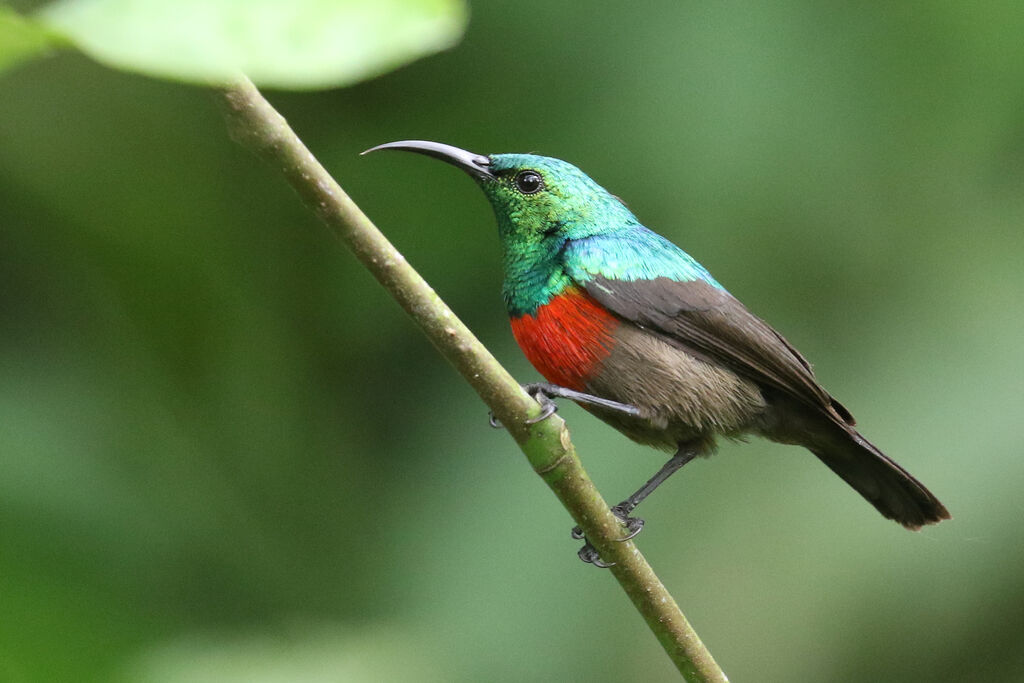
x: 708, y: 322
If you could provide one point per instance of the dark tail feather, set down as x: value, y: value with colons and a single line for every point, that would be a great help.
x: 886, y: 485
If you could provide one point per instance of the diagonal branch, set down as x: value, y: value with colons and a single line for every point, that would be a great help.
x: 255, y: 124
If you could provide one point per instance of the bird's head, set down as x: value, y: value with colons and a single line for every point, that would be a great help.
x: 535, y: 198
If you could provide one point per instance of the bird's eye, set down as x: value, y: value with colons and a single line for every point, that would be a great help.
x: 529, y: 182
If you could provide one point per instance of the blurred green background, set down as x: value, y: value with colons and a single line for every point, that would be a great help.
x: 226, y: 455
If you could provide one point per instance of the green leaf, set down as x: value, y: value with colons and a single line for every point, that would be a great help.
x: 291, y: 44
x: 21, y: 38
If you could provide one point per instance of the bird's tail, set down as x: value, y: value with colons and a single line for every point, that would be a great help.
x: 886, y: 485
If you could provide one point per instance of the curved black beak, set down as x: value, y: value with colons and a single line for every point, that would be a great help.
x: 476, y: 165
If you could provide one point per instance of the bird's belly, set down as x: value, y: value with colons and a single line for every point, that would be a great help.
x: 681, y: 398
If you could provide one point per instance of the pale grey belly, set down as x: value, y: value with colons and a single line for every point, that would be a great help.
x: 681, y: 398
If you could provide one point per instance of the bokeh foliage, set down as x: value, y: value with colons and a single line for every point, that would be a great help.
x: 225, y: 455
x: 300, y: 44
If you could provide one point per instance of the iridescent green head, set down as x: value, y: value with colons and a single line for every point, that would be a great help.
x: 535, y: 198
x: 558, y: 226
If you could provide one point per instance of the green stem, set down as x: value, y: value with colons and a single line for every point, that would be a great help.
x: 256, y: 125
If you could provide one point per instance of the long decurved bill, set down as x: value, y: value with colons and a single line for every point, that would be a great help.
x: 476, y: 165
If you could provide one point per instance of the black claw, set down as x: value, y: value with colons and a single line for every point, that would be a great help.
x: 538, y: 391
x: 589, y: 554
x: 548, y: 408
x: 634, y: 525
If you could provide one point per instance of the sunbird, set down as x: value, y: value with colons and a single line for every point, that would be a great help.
x: 631, y: 327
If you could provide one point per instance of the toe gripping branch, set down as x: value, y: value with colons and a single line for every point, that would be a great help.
x: 588, y: 553
x: 545, y: 393
x: 635, y: 525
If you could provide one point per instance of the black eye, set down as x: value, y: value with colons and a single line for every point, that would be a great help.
x: 529, y: 182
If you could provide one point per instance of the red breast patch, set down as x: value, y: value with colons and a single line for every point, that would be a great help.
x: 567, y: 338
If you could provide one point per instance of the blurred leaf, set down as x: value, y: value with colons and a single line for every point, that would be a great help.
x: 21, y: 38
x: 303, y: 44
x: 304, y: 653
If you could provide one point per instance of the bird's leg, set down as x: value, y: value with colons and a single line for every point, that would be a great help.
x: 684, y: 455
x: 545, y: 393
x: 544, y: 390
x: 635, y: 525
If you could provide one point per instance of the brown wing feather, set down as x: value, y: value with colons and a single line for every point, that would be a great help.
x: 711, y: 324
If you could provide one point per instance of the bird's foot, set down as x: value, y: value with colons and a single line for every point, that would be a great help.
x: 634, y: 525
x: 548, y: 407
x: 589, y: 554
x: 545, y: 393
